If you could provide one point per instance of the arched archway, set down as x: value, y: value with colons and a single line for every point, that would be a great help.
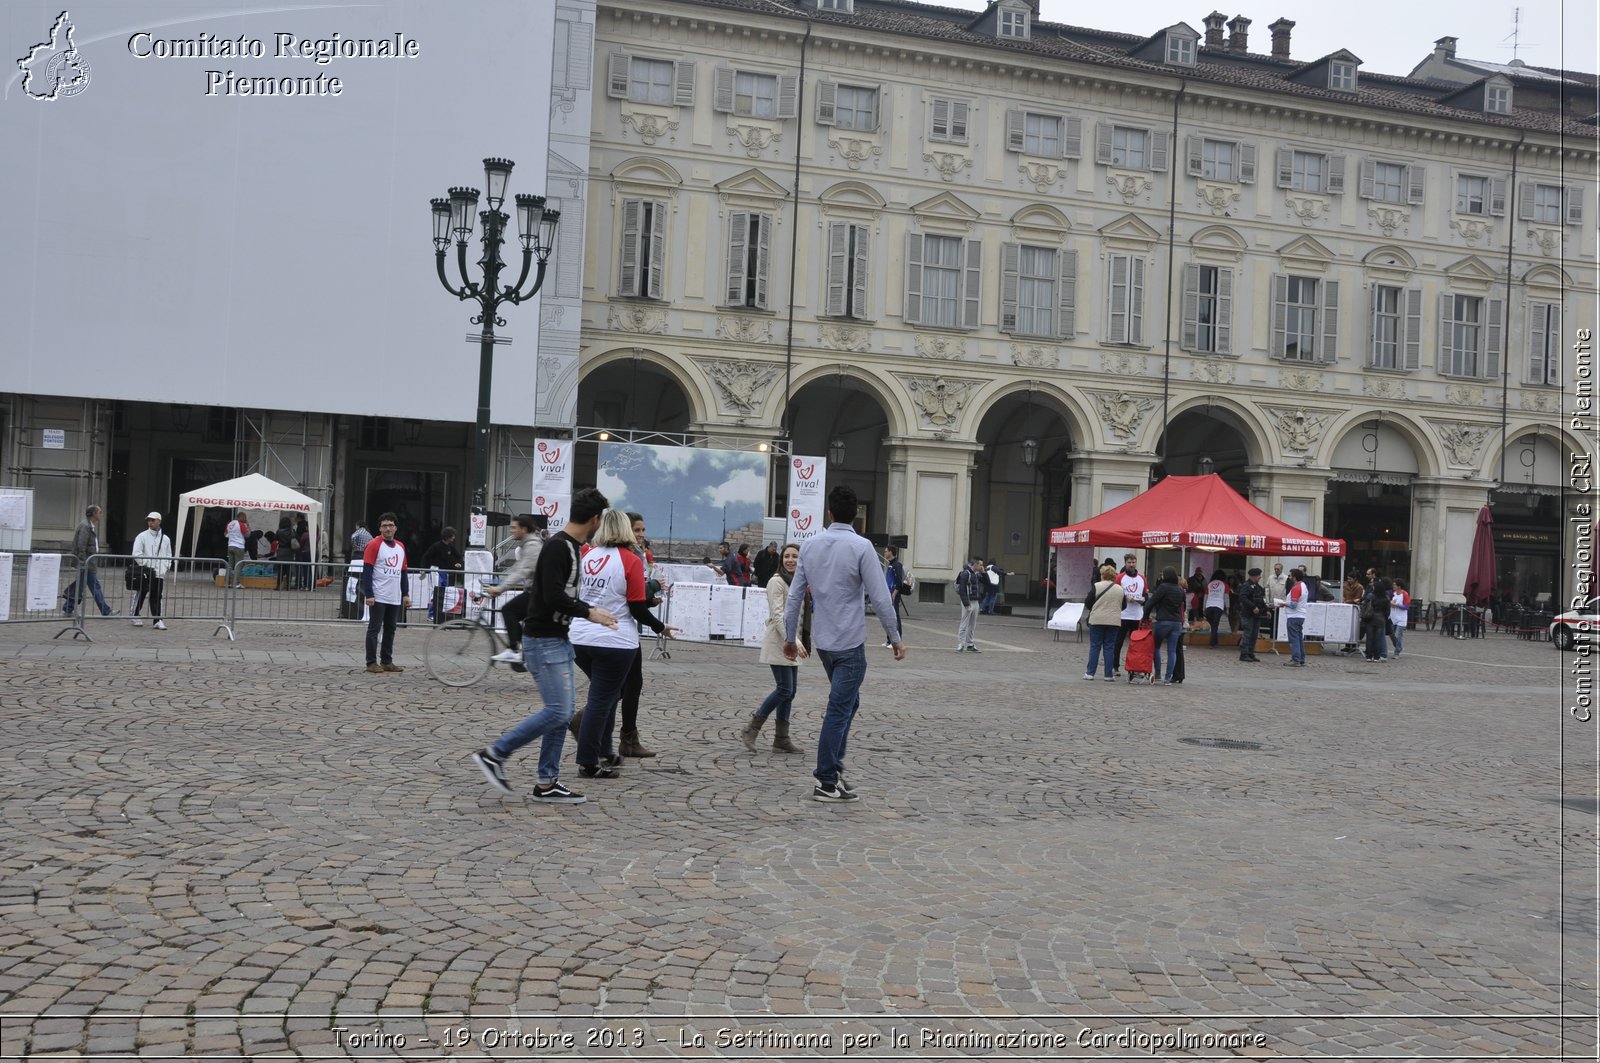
x: 1210, y: 436
x: 1021, y: 484
x: 632, y: 394
x: 1529, y: 516
x: 840, y: 417
x: 1374, y: 463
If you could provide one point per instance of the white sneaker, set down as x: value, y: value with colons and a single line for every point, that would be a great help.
x: 161, y: 625
x: 136, y: 622
x: 1089, y: 677
x: 507, y: 655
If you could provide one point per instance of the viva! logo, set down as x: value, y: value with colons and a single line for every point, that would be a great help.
x: 594, y: 565
x: 804, y: 472
x: 800, y: 523
x: 549, y: 509
x: 549, y: 457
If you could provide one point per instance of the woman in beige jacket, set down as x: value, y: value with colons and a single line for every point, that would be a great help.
x: 784, y: 671
x: 1105, y: 621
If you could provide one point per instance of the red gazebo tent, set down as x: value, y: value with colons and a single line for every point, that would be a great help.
x: 1195, y: 513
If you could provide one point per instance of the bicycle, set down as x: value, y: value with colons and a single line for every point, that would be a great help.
x: 460, y: 652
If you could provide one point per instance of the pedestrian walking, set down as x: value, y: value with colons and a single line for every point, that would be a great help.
x: 895, y: 578
x: 1375, y: 616
x: 518, y: 578
x: 612, y: 580
x: 994, y: 583
x: 785, y: 673
x: 1103, y: 611
x: 547, y: 652
x: 238, y: 532
x: 1293, y: 604
x: 1133, y: 590
x: 1399, y: 615
x: 838, y: 567
x: 633, y: 689
x: 383, y: 585
x: 152, y: 555
x: 85, y: 544
x: 971, y: 582
x: 1165, y: 606
x: 1252, y: 603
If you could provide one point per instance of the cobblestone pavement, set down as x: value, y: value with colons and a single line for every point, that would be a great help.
x: 256, y: 848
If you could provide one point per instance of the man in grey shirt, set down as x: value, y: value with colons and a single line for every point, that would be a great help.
x: 838, y: 567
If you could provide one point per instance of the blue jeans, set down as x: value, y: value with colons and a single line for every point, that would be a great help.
x: 987, y: 605
x: 1166, y: 633
x: 1103, y: 638
x: 1377, y: 640
x: 787, y: 678
x: 1398, y: 637
x: 845, y: 670
x: 381, y: 618
x: 1297, y: 639
x: 549, y: 662
x: 74, y: 591
x: 607, y: 668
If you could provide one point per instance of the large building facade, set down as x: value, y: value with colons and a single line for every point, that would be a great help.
x: 997, y: 270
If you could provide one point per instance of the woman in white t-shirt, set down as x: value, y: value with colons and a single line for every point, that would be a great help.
x: 611, y: 578
x: 1216, y: 602
x: 1399, y: 614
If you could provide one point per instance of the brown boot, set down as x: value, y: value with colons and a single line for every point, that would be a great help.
x: 748, y: 734
x: 632, y: 747
x: 780, y: 741
x: 576, y: 723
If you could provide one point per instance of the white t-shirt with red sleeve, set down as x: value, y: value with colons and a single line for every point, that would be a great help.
x: 1296, y: 599
x: 388, y: 561
x: 1399, y: 608
x: 611, y: 577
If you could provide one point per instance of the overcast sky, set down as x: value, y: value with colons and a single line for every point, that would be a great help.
x: 1390, y: 38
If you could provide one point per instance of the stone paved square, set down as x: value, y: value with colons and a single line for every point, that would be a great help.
x: 255, y: 849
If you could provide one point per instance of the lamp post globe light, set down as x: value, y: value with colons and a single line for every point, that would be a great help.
x: 536, y: 229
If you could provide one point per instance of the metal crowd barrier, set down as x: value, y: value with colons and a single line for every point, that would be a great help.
x: 187, y: 593
x: 316, y: 592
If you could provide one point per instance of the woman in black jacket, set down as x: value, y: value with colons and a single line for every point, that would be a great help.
x: 1165, y: 606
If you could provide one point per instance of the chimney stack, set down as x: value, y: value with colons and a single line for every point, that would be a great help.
x: 1214, y: 23
x: 1280, y: 38
x: 1444, y: 48
x: 1239, y: 34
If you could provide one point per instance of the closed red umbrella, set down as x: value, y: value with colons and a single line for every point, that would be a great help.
x: 1481, y: 582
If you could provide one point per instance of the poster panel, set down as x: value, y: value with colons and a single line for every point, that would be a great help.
x: 808, y: 476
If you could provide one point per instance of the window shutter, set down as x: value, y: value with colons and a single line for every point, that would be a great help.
x: 1102, y: 143
x: 1067, y: 296
x: 1412, y: 347
x: 1417, y: 181
x: 1535, y: 314
x: 1285, y: 168
x: 1497, y: 196
x: 788, y: 95
x: 838, y: 268
x: 1247, y: 164
x: 617, y: 75
x: 1574, y: 205
x: 827, y: 97
x: 1525, y: 200
x: 658, y: 248
x: 1014, y: 126
x: 913, y: 309
x: 1335, y: 173
x: 1369, y: 179
x: 939, y: 122
x: 858, y: 299
x: 1117, y: 319
x: 1280, y: 315
x: 628, y: 280
x: 1190, y: 336
x: 1071, y: 138
x: 1136, y: 300
x: 958, y: 121
x: 1224, y: 311
x: 738, y: 256
x: 683, y: 83
x: 974, y: 283
x: 1330, y: 320
x: 722, y: 96
x: 1447, y: 321
x: 1010, y: 259
x: 1195, y: 150
x: 763, y: 257
x: 1494, y: 330
x: 1160, y: 148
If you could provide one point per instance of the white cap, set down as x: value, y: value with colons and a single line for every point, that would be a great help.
x: 152, y: 516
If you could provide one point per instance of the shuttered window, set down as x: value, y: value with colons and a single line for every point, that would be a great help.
x: 848, y: 248
x: 943, y: 281
x: 753, y: 95
x: 1125, y: 299
x: 749, y: 252
x: 1396, y: 327
x: 1544, y: 343
x: 1480, y: 195
x: 1310, y: 171
x: 1207, y: 309
x: 1305, y: 319
x: 1470, y: 333
x: 640, y: 79
x: 1131, y: 147
x: 1549, y: 204
x: 947, y: 120
x: 643, y: 252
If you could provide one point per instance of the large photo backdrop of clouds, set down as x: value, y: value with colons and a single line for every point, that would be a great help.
x: 693, y: 495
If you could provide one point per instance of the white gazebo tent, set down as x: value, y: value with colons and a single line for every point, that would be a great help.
x: 249, y: 492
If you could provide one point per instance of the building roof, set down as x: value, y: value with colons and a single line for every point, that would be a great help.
x: 1221, y: 66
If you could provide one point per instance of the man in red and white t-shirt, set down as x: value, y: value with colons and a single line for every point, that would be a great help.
x: 1133, y: 590
x: 383, y: 585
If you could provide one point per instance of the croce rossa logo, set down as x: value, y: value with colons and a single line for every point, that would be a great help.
x: 54, y: 69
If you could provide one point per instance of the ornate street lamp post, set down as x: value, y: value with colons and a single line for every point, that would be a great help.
x: 536, y: 229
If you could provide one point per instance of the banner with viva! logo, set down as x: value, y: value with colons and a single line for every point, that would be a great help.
x: 552, y: 480
x: 807, y: 477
